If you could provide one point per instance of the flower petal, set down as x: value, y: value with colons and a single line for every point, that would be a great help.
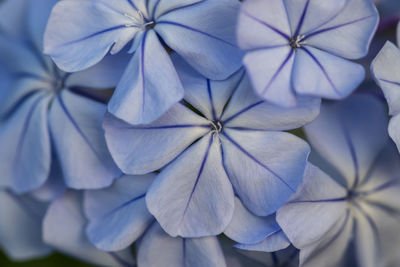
x: 308, y: 15
x: 270, y: 71
x: 331, y: 248
x: 146, y: 148
x: 386, y: 71
x: 37, y: 14
x: 321, y: 74
x: 104, y: 75
x: 12, y: 14
x: 204, y: 35
x: 313, y: 210
x: 20, y: 226
x: 350, y: 33
x: 24, y: 138
x: 157, y: 8
x: 150, y: 85
x: 80, y: 33
x: 247, y: 228
x: 207, y: 96
x: 247, y: 111
x: 159, y: 249
x: 265, y: 168
x: 274, y: 242
x: 193, y: 185
x: 75, y: 124
x: 263, y: 24
x: 118, y: 215
x: 63, y: 229
x: 343, y: 136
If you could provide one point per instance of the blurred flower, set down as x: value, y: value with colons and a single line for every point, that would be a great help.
x: 43, y: 111
x: 349, y: 213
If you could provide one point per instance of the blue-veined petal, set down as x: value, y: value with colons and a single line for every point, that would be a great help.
x: 272, y: 81
x: 157, y: 8
x: 80, y: 33
x: 339, y: 135
x: 145, y: 148
x: 204, y: 35
x: 75, y: 124
x: 307, y: 15
x: 350, y: 33
x: 25, y: 142
x: 265, y: 168
x: 192, y: 196
x: 159, y: 249
x: 118, y: 215
x: 150, y: 85
x: 314, y: 209
x: 207, y: 96
x: 263, y: 24
x: 247, y: 111
x: 321, y: 74
x: 63, y: 229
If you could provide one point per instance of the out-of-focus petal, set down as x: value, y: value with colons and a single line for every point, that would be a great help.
x: 75, y: 124
x: 159, y: 249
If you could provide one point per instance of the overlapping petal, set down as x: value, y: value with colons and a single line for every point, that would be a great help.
x: 150, y: 85
x: 63, y: 228
x: 158, y: 248
x: 203, y: 34
x: 256, y: 163
x: 118, y: 215
x: 93, y: 28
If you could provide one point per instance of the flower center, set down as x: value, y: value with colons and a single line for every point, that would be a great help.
x: 139, y: 21
x: 216, y: 126
x: 297, y: 42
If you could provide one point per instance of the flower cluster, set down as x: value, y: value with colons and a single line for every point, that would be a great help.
x: 200, y: 132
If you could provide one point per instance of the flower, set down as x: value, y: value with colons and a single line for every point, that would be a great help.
x: 223, y: 140
x: 386, y: 71
x: 80, y: 33
x: 45, y: 115
x: 301, y: 47
x: 353, y: 206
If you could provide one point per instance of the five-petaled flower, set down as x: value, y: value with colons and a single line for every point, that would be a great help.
x: 80, y: 33
x: 301, y: 47
x: 223, y: 140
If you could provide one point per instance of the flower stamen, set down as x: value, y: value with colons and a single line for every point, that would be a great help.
x: 297, y: 42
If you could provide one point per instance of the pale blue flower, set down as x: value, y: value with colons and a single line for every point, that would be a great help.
x: 302, y: 47
x: 234, y: 142
x: 45, y: 116
x: 80, y: 33
x: 349, y: 212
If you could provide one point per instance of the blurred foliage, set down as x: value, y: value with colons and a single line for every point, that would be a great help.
x: 53, y: 260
